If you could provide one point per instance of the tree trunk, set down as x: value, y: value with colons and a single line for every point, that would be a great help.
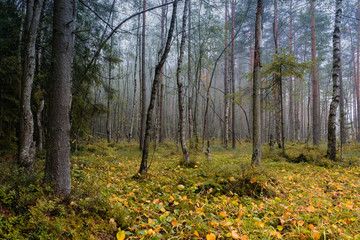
x: 145, y: 153
x: 256, y: 155
x: 226, y: 82
x: 233, y: 73
x: 277, y: 80
x: 57, y: 171
x: 180, y: 89
x: 331, y: 151
x: 109, y: 94
x: 358, y: 76
x: 342, y: 111
x: 27, y: 144
x: 160, y: 110
x: 190, y: 83
x: 291, y: 91
x: 133, y: 105
x: 316, y: 121
x: 143, y: 81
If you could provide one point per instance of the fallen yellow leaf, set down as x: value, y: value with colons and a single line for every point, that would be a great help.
x: 120, y: 235
x: 300, y: 222
x: 310, y: 208
x: 316, y: 235
x: 210, y: 236
x: 223, y: 214
x: 234, y: 235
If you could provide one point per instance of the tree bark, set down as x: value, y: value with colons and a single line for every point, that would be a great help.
x: 226, y: 82
x: 233, y: 135
x: 342, y: 111
x: 358, y: 76
x: 109, y: 94
x: 190, y: 81
x: 256, y: 155
x: 143, y: 81
x: 57, y: 171
x: 145, y: 153
x: 133, y: 105
x: 316, y: 121
x: 277, y: 92
x: 331, y: 151
x: 181, y: 106
x: 291, y: 82
x: 27, y: 144
x: 160, y: 110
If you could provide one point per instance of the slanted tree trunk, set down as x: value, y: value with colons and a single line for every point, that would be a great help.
x: 233, y: 133
x: 226, y: 82
x: 181, y: 106
x: 316, y: 121
x: 27, y: 144
x: 331, y: 151
x: 143, y: 81
x: 145, y: 153
x: 256, y: 155
x: 57, y: 170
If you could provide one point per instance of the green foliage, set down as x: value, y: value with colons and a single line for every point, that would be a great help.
x: 286, y: 65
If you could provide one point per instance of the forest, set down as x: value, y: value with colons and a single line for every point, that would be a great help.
x: 180, y: 119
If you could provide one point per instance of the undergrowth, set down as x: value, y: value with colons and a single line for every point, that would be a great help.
x: 297, y: 195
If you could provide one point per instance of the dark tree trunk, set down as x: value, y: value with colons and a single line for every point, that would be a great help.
x: 291, y: 82
x: 109, y: 93
x: 358, y: 76
x: 316, y: 121
x: 145, y: 153
x: 143, y: 81
x: 226, y: 83
x: 133, y: 105
x: 160, y: 109
x: 27, y: 144
x: 233, y: 133
x: 57, y: 171
x: 190, y: 83
x: 342, y: 104
x: 277, y: 92
x: 256, y: 155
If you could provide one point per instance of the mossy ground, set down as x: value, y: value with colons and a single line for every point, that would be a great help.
x: 224, y: 198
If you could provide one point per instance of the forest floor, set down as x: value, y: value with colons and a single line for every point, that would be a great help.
x: 224, y: 198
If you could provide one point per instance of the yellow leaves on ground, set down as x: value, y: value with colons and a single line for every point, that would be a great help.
x: 300, y: 222
x: 120, y: 235
x: 316, y: 235
x: 309, y: 201
x: 210, y: 236
x: 310, y: 208
x: 223, y: 214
